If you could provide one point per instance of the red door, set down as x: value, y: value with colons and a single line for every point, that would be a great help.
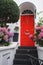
x: 27, y: 28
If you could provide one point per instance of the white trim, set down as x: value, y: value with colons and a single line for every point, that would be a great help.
x: 26, y: 14
x: 29, y: 6
x: 11, y: 46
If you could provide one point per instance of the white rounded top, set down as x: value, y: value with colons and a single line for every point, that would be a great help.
x: 27, y: 6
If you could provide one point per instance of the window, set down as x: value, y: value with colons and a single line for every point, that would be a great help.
x: 27, y: 12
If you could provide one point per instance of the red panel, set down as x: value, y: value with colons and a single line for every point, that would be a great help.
x: 27, y: 27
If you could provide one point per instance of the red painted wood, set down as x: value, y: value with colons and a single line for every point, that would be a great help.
x: 27, y: 25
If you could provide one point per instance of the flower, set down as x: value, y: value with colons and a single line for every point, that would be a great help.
x: 11, y: 34
x: 31, y: 36
x: 5, y: 35
x: 38, y: 28
x: 39, y: 35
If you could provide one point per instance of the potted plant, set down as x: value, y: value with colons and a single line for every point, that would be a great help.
x: 9, y: 13
x: 5, y: 36
x: 39, y: 36
x: 39, y: 40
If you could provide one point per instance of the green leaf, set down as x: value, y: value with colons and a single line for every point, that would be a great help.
x: 8, y: 8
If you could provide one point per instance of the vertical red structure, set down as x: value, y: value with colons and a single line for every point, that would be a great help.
x: 27, y: 19
x: 27, y: 28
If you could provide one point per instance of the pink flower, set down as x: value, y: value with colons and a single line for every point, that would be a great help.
x: 38, y: 28
x: 5, y: 37
x: 3, y: 29
x: 8, y: 29
x: 41, y: 30
x: 41, y: 27
x: 0, y: 29
x: 35, y: 37
x: 1, y: 33
x: 5, y: 33
x: 40, y: 35
x: 31, y: 36
x: 11, y: 34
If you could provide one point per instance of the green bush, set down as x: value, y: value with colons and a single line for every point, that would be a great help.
x: 9, y: 11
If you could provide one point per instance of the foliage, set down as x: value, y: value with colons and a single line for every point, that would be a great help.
x: 5, y: 36
x: 39, y: 30
x: 38, y: 36
x: 9, y: 11
x: 16, y: 28
x: 40, y: 21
